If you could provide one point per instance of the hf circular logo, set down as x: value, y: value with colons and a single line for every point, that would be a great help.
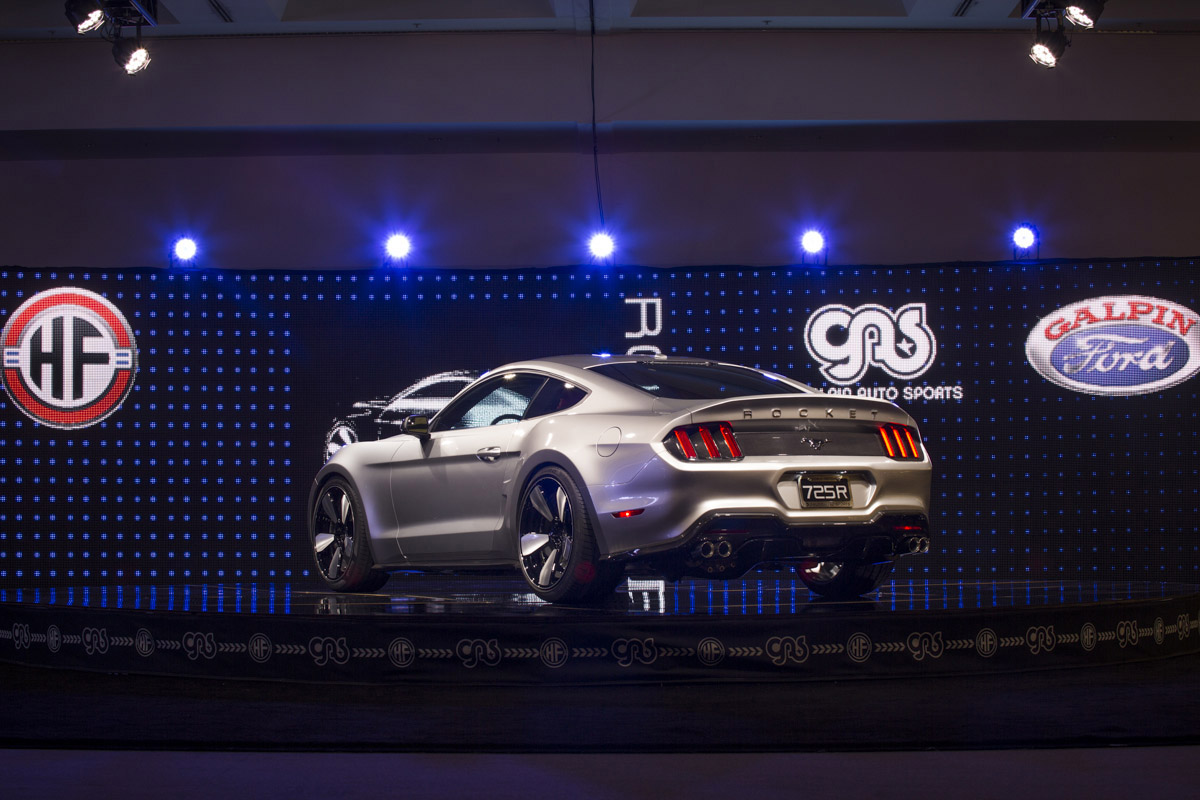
x: 54, y: 639
x: 143, y: 642
x: 987, y: 643
x: 402, y: 653
x: 554, y: 652
x: 859, y: 647
x: 710, y: 651
x: 1088, y: 637
x: 260, y: 648
x: 69, y: 358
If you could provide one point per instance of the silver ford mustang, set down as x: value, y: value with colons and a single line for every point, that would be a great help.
x: 573, y: 468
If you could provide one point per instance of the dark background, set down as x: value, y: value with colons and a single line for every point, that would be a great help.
x: 203, y: 473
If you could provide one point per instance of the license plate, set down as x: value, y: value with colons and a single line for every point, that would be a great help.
x: 825, y: 491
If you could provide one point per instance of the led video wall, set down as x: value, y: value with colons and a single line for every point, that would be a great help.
x: 164, y: 426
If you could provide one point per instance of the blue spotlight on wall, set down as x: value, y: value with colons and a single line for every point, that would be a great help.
x: 812, y: 246
x: 398, y: 246
x: 812, y: 242
x: 184, y: 251
x: 1027, y: 243
x: 601, y: 245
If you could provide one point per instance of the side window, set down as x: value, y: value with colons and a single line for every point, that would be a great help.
x: 554, y: 396
x: 498, y: 401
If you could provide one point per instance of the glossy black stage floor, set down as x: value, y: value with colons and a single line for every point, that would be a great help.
x: 489, y: 630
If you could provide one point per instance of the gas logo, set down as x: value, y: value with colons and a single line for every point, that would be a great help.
x: 848, y: 341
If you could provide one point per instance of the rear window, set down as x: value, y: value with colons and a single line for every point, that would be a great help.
x: 694, y: 381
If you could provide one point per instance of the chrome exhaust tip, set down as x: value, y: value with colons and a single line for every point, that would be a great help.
x: 707, y: 550
x: 724, y: 549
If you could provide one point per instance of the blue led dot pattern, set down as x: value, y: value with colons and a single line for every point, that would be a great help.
x: 243, y: 379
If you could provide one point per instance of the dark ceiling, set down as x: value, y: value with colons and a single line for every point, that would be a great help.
x: 34, y: 19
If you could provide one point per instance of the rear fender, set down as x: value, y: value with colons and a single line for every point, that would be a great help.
x: 534, y: 462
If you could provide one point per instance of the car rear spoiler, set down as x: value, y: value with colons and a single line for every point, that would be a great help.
x: 798, y: 407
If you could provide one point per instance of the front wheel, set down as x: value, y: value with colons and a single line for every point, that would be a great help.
x: 843, y: 580
x: 340, y: 540
x: 559, y: 557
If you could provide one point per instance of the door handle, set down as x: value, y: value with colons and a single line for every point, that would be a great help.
x: 487, y: 453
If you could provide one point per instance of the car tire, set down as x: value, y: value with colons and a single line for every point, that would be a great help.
x: 557, y: 552
x: 340, y: 540
x: 843, y: 580
x: 341, y: 433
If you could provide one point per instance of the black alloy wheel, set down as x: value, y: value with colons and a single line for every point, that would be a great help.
x: 340, y: 540
x: 558, y: 554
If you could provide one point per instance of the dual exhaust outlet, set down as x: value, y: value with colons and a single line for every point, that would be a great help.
x: 918, y: 544
x: 719, y: 549
x: 722, y: 548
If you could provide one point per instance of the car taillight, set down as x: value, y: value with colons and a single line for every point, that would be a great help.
x: 900, y: 443
x: 709, y: 441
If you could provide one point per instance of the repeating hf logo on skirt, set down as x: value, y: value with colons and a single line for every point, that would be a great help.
x: 1118, y: 345
x: 69, y: 358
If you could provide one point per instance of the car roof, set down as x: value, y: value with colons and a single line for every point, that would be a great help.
x: 569, y: 364
x: 578, y: 365
x: 596, y: 359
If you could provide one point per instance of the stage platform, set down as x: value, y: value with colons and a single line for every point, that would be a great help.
x: 490, y: 630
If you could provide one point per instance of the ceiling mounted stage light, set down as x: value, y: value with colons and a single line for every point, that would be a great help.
x: 85, y: 15
x: 1084, y: 13
x: 1049, y: 48
x: 110, y: 18
x: 1049, y: 44
x: 130, y: 54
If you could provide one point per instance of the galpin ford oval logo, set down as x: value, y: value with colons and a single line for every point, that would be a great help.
x: 1119, y: 345
x: 69, y: 358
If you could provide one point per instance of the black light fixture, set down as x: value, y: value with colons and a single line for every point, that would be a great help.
x: 111, y: 17
x: 130, y: 54
x: 1049, y: 43
x: 1084, y: 13
x: 85, y: 15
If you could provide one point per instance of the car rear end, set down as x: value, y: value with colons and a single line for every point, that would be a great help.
x: 800, y: 476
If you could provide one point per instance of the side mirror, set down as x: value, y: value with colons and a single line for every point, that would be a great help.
x: 416, y: 425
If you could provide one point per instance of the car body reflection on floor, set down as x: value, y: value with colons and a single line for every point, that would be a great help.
x: 762, y: 593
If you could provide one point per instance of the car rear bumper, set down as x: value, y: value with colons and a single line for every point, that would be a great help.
x: 676, y: 505
x: 728, y: 544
